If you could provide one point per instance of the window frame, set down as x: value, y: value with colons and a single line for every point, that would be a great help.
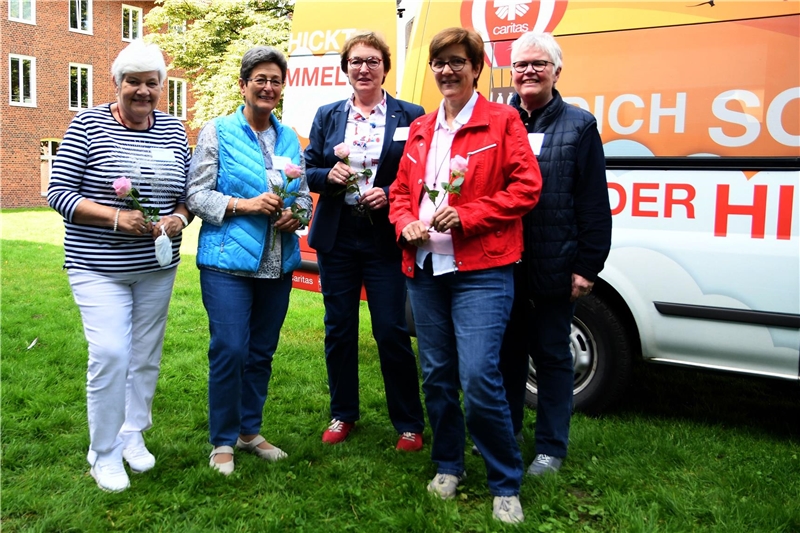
x: 20, y: 57
x: 179, y: 82
x: 20, y: 3
x: 139, y: 28
x: 88, y: 69
x: 49, y: 158
x: 89, y: 15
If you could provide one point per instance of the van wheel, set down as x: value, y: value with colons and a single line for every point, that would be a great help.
x: 601, y: 353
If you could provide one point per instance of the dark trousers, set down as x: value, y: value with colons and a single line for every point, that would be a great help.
x: 540, y: 327
x: 354, y: 260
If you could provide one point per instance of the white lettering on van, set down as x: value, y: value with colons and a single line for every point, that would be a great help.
x: 613, y: 114
x: 775, y: 117
x: 750, y: 123
x: 510, y: 28
x: 679, y: 112
x: 319, y: 41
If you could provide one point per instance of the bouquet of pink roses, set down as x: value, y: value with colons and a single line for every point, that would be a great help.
x: 125, y: 189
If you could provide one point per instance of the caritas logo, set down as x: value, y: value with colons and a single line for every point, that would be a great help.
x: 505, y: 20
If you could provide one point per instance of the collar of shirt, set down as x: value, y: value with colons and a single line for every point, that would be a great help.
x: 463, y: 116
x: 350, y: 106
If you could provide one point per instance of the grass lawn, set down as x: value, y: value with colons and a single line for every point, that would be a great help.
x: 686, y: 453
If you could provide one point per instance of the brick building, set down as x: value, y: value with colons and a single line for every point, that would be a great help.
x: 58, y: 56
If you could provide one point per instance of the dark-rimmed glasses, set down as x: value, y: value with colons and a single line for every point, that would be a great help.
x: 537, y: 66
x: 371, y: 62
x: 456, y: 64
x: 262, y: 82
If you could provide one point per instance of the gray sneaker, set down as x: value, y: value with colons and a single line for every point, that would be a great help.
x: 444, y: 485
x: 507, y: 509
x: 544, y: 464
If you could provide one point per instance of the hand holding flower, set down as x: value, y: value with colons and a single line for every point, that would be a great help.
x: 124, y: 189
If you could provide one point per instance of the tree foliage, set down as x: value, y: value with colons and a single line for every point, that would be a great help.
x: 207, y: 39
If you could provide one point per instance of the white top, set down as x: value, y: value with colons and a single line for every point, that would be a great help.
x: 364, y: 136
x: 437, y: 171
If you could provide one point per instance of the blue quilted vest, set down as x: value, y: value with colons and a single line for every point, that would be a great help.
x: 238, y: 244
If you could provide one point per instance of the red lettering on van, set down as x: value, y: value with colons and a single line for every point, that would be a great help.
x: 638, y: 199
x: 757, y: 211
x: 686, y: 201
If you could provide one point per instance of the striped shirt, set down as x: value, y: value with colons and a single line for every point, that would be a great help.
x: 97, y: 150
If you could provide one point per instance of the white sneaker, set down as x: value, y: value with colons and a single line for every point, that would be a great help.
x: 507, y: 509
x: 136, y: 453
x: 139, y: 458
x: 444, y: 485
x: 109, y: 472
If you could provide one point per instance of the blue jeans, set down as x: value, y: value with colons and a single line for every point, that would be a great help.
x: 245, y: 316
x: 541, y: 330
x: 460, y: 319
x: 354, y: 260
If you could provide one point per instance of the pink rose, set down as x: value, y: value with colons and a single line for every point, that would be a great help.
x: 341, y: 151
x: 292, y: 171
x: 122, y: 186
x: 458, y: 165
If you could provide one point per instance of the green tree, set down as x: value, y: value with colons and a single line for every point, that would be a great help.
x: 207, y: 39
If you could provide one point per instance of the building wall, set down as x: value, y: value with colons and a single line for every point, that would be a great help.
x: 54, y: 46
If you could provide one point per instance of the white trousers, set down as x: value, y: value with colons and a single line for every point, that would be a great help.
x: 124, y: 318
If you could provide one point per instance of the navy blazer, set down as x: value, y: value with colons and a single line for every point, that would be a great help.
x: 326, y: 132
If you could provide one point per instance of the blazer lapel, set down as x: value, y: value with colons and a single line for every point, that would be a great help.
x: 393, y: 114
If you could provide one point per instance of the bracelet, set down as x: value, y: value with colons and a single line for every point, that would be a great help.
x: 116, y: 220
x: 183, y: 219
x: 235, y: 201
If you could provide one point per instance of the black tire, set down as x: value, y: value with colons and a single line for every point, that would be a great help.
x: 601, y: 349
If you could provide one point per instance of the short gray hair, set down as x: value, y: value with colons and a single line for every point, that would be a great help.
x: 262, y: 54
x: 139, y: 57
x: 543, y: 41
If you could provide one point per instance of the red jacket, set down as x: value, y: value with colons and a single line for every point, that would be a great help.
x: 501, y: 184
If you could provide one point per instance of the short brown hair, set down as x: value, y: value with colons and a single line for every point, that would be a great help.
x: 367, y: 38
x: 469, y: 39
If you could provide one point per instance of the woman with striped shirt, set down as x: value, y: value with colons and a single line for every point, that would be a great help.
x: 118, y: 180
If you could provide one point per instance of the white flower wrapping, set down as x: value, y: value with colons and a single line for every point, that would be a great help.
x: 163, y: 248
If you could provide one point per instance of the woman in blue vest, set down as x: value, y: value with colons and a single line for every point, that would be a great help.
x: 240, y: 183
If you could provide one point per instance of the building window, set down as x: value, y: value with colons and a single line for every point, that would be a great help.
x: 22, y: 80
x: 47, y: 154
x: 22, y: 11
x: 80, y: 86
x: 80, y: 15
x: 176, y: 97
x: 131, y: 22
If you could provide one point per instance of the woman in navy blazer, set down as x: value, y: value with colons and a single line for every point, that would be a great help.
x: 354, y: 150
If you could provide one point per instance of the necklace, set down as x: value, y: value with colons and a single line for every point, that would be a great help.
x: 119, y: 115
x: 441, y: 163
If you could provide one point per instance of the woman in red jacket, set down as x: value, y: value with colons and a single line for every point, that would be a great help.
x: 466, y: 178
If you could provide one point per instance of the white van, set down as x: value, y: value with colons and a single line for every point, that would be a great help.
x: 699, y: 111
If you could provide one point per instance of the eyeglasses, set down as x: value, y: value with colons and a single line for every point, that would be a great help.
x: 537, y: 66
x: 456, y: 64
x: 262, y: 82
x: 372, y: 62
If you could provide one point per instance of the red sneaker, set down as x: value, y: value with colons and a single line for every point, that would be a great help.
x: 410, y: 442
x: 337, y: 432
